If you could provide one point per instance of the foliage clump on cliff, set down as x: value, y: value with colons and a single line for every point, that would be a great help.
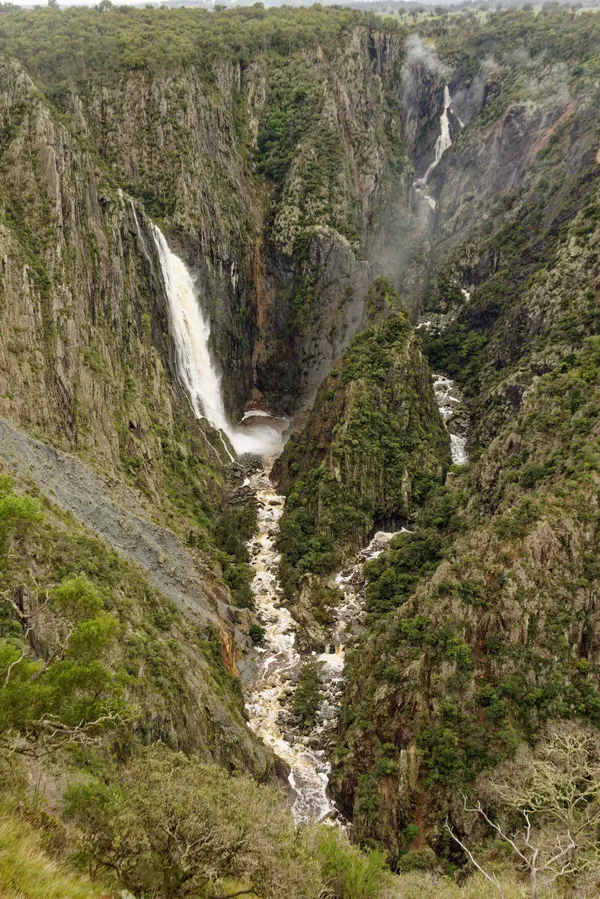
x: 373, y: 448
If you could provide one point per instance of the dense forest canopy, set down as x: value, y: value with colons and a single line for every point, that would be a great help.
x: 58, y: 45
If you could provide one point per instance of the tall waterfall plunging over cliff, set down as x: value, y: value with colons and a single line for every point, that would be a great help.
x: 191, y: 333
x: 443, y: 142
x: 445, y: 138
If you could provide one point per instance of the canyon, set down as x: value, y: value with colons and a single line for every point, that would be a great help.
x: 299, y: 377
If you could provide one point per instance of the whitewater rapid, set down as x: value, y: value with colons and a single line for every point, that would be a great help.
x: 270, y: 700
x: 279, y: 661
x: 450, y: 405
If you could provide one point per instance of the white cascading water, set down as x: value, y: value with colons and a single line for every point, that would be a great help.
x: 443, y: 388
x: 269, y: 703
x: 445, y: 138
x: 279, y: 664
x: 279, y: 661
x: 443, y: 142
x: 191, y: 333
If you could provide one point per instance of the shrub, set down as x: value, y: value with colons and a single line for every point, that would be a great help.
x: 308, y: 693
x: 257, y: 634
x: 174, y: 827
x: 348, y: 873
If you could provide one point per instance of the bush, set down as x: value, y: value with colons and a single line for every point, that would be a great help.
x: 308, y: 694
x: 257, y: 634
x: 348, y: 873
x: 174, y: 827
x: 17, y: 513
x: 72, y: 688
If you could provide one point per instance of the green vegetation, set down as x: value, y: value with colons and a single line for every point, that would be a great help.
x: 479, y: 619
x: 282, y: 129
x: 394, y: 577
x: 308, y: 694
x: 233, y: 529
x: 154, y: 819
x: 97, y: 626
x: 110, y: 41
x: 174, y: 827
x: 372, y: 451
x: 27, y: 870
x: 73, y: 688
x: 348, y: 873
x: 257, y: 634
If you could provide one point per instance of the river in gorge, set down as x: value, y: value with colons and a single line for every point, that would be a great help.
x: 269, y: 702
x: 270, y: 699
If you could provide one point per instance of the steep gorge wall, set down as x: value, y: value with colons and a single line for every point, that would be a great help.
x: 87, y: 365
x: 282, y: 265
x: 284, y: 182
x: 484, y: 622
x: 174, y: 145
x: 87, y: 359
x: 498, y: 632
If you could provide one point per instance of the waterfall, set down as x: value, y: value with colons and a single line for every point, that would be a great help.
x: 448, y: 404
x: 202, y: 380
x: 445, y: 138
x: 441, y: 145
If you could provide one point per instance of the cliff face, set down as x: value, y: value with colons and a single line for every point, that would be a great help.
x: 87, y: 364
x: 503, y: 636
x: 279, y: 161
x: 179, y: 149
x: 283, y: 266
x: 277, y: 242
x: 319, y: 248
x: 483, y: 622
x: 86, y: 356
x: 373, y: 440
x: 372, y: 448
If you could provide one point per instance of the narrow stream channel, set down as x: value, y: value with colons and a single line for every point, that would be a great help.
x: 280, y: 662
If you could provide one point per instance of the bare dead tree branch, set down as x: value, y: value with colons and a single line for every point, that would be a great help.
x: 16, y: 661
x: 489, y: 877
x: 478, y: 809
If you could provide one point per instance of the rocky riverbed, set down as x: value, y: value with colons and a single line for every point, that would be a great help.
x: 270, y: 700
x: 453, y: 411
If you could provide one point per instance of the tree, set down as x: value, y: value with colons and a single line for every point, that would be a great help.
x: 308, y: 694
x: 173, y: 827
x: 555, y: 791
x: 17, y: 514
x: 347, y: 872
x: 257, y: 634
x: 70, y: 695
